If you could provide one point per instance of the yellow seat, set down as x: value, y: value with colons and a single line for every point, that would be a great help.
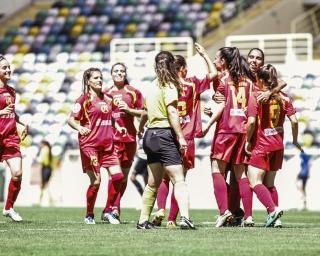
x: 18, y: 40
x: 33, y: 31
x: 76, y: 30
x: 64, y: 12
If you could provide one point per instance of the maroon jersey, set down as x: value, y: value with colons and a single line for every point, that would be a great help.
x: 270, y: 119
x: 8, y: 126
x: 189, y: 106
x: 95, y: 114
x: 133, y: 98
x: 234, y: 118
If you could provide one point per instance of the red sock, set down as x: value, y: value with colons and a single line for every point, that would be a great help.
x: 274, y: 194
x: 246, y: 196
x: 264, y: 197
x: 92, y: 193
x: 163, y: 192
x: 114, y: 186
x: 220, y: 192
x: 120, y: 194
x: 174, y: 208
x: 234, y: 198
x: 13, y: 191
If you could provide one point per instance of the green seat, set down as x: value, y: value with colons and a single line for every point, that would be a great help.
x: 51, y: 40
x: 12, y: 31
x: 88, y: 29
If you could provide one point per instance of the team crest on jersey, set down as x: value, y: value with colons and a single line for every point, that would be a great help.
x: 8, y: 100
x: 94, y: 160
x: 117, y: 99
x: 76, y: 108
x: 104, y: 109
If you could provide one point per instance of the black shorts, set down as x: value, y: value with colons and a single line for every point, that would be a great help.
x: 161, y: 146
x: 46, y: 174
x: 140, y: 167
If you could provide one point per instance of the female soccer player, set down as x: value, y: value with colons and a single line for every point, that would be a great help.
x: 127, y: 102
x: 45, y: 159
x: 163, y: 140
x: 229, y: 140
x: 92, y: 118
x: 190, y: 121
x: 9, y: 138
x: 265, y: 142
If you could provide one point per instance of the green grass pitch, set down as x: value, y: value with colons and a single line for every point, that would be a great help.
x: 61, y: 231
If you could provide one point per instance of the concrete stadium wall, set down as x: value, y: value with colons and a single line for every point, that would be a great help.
x: 277, y: 20
x: 8, y: 8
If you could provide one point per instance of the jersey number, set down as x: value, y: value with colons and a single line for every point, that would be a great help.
x: 182, y: 107
x: 239, y: 97
x: 274, y: 111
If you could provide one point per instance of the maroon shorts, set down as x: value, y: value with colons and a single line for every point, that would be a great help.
x: 229, y: 147
x: 10, y: 148
x: 189, y: 156
x: 268, y: 161
x: 125, y: 152
x: 93, y: 159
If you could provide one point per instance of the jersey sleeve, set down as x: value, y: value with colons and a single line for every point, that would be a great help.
x: 170, y: 94
x: 78, y: 108
x: 139, y: 104
x: 201, y: 84
x: 215, y: 83
x: 288, y: 106
x: 253, y: 105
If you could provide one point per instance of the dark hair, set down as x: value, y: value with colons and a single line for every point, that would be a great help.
x: 46, y: 143
x: 234, y: 62
x: 86, y: 76
x: 268, y: 74
x: 179, y: 62
x: 2, y: 57
x: 245, y: 68
x: 257, y: 49
x: 125, y: 69
x: 166, y: 70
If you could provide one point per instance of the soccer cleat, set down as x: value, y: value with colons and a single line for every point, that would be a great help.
x: 145, y: 225
x: 89, y: 220
x: 235, y: 220
x: 158, y: 217
x: 113, y: 218
x: 277, y: 224
x: 238, y: 218
x: 248, y: 222
x: 222, y: 219
x: 171, y: 224
x: 185, y: 223
x: 104, y: 217
x: 273, y: 216
x: 12, y: 214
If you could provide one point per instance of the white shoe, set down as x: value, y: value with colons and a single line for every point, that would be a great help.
x: 112, y: 218
x: 248, y: 222
x: 273, y: 216
x: 89, y: 220
x: 12, y: 214
x: 223, y: 218
x: 278, y: 224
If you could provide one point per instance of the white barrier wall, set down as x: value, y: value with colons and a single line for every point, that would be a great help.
x: 7, y: 8
x: 69, y: 185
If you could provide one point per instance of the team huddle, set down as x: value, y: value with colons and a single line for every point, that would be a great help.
x: 247, y: 146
